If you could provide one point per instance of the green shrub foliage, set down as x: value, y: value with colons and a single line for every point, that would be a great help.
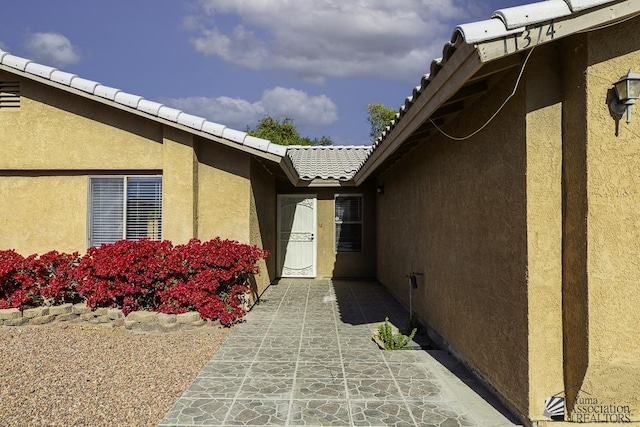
x: 393, y: 341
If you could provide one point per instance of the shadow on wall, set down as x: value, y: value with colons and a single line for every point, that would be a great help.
x: 263, y: 218
x: 353, y: 228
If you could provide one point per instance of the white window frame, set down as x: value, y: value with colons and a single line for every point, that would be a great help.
x: 337, y: 222
x: 125, y: 178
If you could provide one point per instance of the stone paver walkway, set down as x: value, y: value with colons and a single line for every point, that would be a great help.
x: 305, y: 357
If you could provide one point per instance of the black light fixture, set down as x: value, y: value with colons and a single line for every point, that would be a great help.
x: 627, y: 91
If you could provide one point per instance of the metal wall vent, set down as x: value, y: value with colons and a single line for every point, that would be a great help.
x: 9, y: 94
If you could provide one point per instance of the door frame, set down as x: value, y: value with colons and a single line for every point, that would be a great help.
x: 279, y: 243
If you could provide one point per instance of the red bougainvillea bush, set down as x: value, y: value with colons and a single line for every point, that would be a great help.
x: 37, y: 280
x: 210, y: 277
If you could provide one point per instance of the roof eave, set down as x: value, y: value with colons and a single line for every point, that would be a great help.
x: 464, y: 63
x: 247, y: 149
x: 320, y: 182
x: 290, y: 171
x: 469, y: 58
x: 542, y: 33
x: 294, y: 178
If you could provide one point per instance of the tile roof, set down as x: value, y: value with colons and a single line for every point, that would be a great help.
x: 153, y: 109
x: 503, y: 23
x: 342, y: 163
x: 329, y: 162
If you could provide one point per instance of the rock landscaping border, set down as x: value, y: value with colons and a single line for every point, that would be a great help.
x: 144, y: 321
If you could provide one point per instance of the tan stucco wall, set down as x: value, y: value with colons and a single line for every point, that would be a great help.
x: 543, y: 88
x: 56, y: 140
x: 529, y: 233
x: 58, y: 130
x: 613, y: 224
x: 224, y: 192
x: 330, y: 263
x: 601, y: 229
x: 456, y: 212
x: 43, y: 212
x: 263, y: 222
x: 574, y: 287
x: 482, y: 220
x: 49, y: 148
x: 179, y: 187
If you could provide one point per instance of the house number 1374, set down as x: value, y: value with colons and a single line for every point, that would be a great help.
x: 529, y: 37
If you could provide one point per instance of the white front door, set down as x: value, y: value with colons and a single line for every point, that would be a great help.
x: 296, y: 235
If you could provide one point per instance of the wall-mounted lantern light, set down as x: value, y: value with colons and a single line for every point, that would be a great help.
x: 627, y: 90
x: 380, y: 190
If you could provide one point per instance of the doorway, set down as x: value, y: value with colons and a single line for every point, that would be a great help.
x: 297, y: 235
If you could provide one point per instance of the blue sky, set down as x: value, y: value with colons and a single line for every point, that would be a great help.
x: 319, y: 62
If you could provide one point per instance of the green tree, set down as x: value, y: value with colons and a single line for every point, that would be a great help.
x: 378, y: 118
x: 283, y: 132
x: 323, y: 140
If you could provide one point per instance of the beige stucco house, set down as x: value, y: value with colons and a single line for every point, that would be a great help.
x: 84, y: 164
x: 524, y: 216
x: 505, y: 180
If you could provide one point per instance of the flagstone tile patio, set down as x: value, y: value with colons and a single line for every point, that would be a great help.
x: 304, y: 357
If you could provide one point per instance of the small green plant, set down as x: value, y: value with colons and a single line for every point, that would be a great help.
x: 391, y: 341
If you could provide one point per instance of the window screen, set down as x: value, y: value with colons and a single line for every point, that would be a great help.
x: 348, y: 214
x: 125, y: 207
x: 144, y: 204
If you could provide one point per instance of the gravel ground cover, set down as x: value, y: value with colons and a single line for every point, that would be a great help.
x: 89, y: 375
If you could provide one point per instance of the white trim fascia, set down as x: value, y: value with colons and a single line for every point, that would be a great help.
x: 324, y: 183
x: 468, y: 59
x: 265, y: 155
x: 464, y: 63
x: 565, y: 26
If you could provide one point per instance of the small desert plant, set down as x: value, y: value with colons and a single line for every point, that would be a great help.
x: 391, y: 341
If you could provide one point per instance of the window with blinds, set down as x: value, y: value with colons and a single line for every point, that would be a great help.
x: 128, y: 207
x: 348, y: 220
x: 9, y: 95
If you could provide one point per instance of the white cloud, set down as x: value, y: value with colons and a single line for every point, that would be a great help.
x: 303, y: 109
x: 52, y: 49
x: 328, y: 38
x: 233, y: 112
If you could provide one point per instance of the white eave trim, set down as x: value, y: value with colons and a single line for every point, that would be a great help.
x: 469, y: 58
x: 551, y: 30
x: 333, y: 183
x: 275, y: 153
x: 464, y: 63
